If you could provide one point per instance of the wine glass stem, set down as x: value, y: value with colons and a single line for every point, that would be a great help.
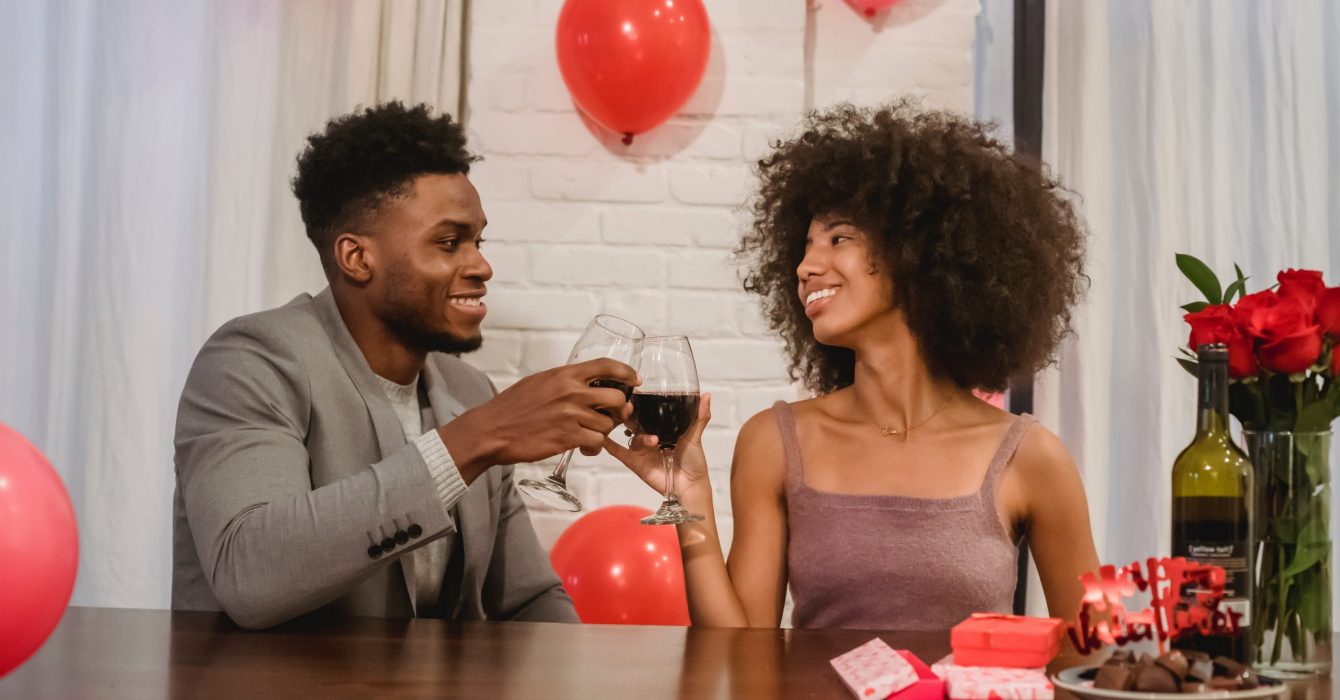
x: 560, y: 473
x: 668, y: 461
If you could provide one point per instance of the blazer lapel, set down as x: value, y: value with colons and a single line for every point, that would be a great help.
x: 390, y: 436
x: 473, y: 510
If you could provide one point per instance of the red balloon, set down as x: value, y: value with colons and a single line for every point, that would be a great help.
x: 39, y: 549
x: 619, y: 571
x: 631, y: 64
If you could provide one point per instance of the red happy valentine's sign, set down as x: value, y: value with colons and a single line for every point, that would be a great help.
x: 1174, y: 608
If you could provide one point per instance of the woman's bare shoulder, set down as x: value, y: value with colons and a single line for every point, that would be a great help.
x: 1042, y: 457
x: 760, y: 454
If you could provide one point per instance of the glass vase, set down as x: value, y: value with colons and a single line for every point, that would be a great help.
x: 1291, y: 605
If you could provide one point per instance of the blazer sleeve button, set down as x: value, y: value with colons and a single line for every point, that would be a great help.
x: 375, y: 551
x: 415, y: 531
x: 401, y: 537
x: 388, y: 544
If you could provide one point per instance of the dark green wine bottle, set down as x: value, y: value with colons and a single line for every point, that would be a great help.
x: 1212, y: 506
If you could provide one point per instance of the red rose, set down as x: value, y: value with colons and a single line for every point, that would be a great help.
x: 1216, y: 324
x: 1242, y: 311
x: 1328, y: 311
x: 1290, y: 339
x: 1209, y: 325
x: 1303, y: 285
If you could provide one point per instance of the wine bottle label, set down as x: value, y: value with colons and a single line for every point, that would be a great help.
x: 1232, y: 558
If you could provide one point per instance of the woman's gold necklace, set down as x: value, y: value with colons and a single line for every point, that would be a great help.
x: 886, y: 430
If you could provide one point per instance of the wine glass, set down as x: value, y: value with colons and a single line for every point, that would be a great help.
x: 605, y: 336
x: 665, y: 405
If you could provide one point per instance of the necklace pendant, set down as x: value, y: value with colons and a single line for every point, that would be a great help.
x: 886, y: 431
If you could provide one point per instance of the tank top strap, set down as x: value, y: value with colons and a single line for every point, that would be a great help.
x: 1015, y: 435
x: 786, y: 423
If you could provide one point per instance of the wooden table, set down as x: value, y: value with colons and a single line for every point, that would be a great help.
x: 116, y: 653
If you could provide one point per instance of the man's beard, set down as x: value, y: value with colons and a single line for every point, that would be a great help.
x: 413, y: 332
x: 404, y: 318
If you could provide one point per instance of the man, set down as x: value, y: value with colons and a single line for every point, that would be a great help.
x: 332, y: 455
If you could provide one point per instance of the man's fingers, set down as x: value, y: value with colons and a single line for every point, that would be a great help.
x: 590, y: 442
x: 595, y: 421
x: 605, y: 368
x: 612, y: 401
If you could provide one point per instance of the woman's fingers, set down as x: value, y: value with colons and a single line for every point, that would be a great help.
x: 639, y: 461
x: 695, y: 434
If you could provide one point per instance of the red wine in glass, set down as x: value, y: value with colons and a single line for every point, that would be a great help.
x: 666, y: 415
x: 665, y: 405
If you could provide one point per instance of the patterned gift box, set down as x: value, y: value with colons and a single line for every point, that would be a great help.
x: 990, y: 683
x: 874, y: 671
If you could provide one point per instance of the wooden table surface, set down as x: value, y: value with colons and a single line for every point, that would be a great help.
x: 117, y: 653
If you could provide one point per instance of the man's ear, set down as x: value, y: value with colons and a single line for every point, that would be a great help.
x: 354, y: 257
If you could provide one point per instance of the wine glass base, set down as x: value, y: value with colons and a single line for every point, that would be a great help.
x: 671, y: 513
x: 551, y: 492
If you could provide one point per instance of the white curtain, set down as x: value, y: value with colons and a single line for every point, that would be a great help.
x: 1206, y: 127
x: 147, y: 148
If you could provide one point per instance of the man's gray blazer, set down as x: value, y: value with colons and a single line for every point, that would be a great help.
x: 292, y: 469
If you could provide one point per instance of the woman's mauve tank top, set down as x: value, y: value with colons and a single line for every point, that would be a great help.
x: 896, y: 562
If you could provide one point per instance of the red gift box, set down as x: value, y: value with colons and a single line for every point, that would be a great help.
x: 928, y: 686
x: 1006, y: 641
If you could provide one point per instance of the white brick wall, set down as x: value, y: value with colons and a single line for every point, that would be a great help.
x: 580, y: 223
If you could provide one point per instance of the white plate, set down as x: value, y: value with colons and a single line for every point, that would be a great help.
x: 1069, y: 679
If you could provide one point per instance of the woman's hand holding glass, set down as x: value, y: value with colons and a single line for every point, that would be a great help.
x: 642, y: 456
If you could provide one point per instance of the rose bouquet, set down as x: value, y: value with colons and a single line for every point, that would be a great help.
x: 1283, y: 365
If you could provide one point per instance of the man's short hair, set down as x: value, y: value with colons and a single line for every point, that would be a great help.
x: 361, y: 159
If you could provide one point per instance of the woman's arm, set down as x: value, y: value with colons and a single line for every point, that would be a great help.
x: 1059, y: 533
x: 758, y: 498
x: 749, y: 592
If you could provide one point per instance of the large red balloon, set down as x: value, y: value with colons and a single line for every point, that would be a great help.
x: 619, y: 571
x: 630, y: 64
x: 39, y: 549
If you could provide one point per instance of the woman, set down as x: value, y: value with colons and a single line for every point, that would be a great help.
x: 906, y: 258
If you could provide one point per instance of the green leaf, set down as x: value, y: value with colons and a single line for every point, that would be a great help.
x: 1237, y: 288
x: 1187, y: 351
x: 1312, y: 451
x: 1286, y: 529
x: 1241, y: 277
x: 1202, y: 276
x: 1189, y: 366
x: 1314, y: 600
x: 1194, y: 306
x: 1315, y: 417
x: 1313, y: 547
